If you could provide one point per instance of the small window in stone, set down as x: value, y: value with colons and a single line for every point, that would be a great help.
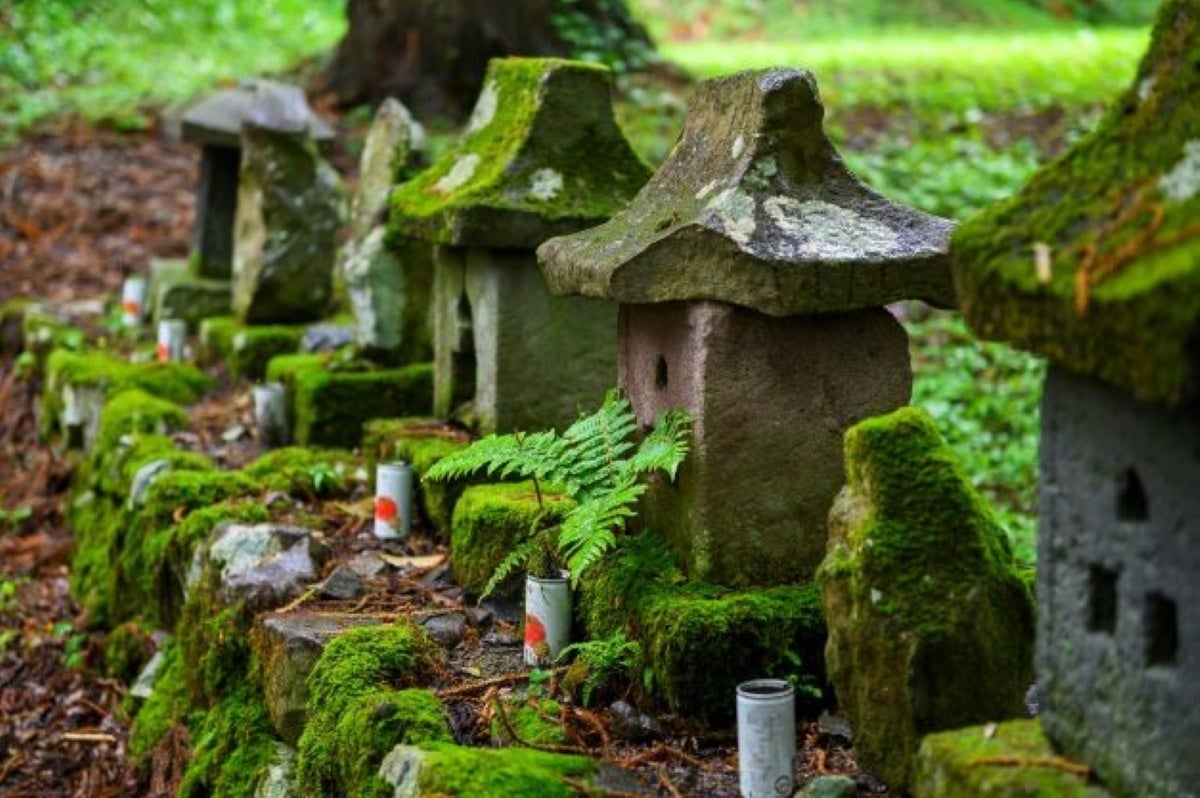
x: 660, y: 373
x: 1162, y: 630
x: 1132, y: 504
x: 1102, y: 599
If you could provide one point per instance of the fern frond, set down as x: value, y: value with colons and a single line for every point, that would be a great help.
x: 518, y: 557
x: 664, y: 447
x: 516, y: 455
x: 589, y: 530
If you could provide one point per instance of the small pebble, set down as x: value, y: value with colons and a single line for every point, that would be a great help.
x: 829, y: 787
x: 629, y: 723
x: 448, y: 629
x: 343, y: 584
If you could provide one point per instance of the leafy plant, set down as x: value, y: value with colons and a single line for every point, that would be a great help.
x: 8, y: 595
x: 606, y: 662
x: 595, y: 461
x: 324, y: 476
x: 15, y: 517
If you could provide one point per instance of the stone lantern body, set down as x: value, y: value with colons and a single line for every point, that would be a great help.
x: 541, y: 156
x: 752, y: 273
x: 1095, y: 265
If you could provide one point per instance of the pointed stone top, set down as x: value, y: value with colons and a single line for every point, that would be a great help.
x: 218, y: 120
x: 1096, y: 262
x: 755, y: 208
x: 394, y: 147
x: 541, y: 156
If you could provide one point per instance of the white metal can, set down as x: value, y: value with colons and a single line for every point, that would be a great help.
x: 547, y: 619
x: 766, y: 733
x: 270, y: 414
x: 172, y: 337
x: 393, y: 500
x: 133, y: 301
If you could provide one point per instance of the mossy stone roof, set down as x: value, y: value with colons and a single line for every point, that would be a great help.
x: 217, y: 120
x: 541, y: 156
x: 755, y: 207
x: 1096, y: 262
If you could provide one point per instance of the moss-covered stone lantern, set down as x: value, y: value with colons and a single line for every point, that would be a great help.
x: 1095, y: 264
x: 541, y: 156
x: 752, y: 273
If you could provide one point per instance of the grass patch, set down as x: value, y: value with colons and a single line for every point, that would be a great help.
x: 114, y: 62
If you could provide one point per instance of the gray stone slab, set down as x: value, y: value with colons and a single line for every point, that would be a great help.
x: 755, y: 207
x: 218, y: 119
x: 1118, y: 656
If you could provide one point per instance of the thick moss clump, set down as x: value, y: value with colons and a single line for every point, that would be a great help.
x: 246, y: 350
x: 232, y: 748
x: 330, y: 407
x: 356, y: 714
x: 534, y: 721
x: 930, y: 625
x: 1007, y: 760
x: 165, y: 707
x: 541, y: 156
x: 489, y: 522
x: 700, y: 640
x: 308, y: 473
x: 126, y: 649
x: 498, y: 773
x: 420, y: 442
x: 1119, y: 298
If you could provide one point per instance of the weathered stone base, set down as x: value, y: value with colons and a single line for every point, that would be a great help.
x: 524, y: 359
x: 1118, y: 655
x: 331, y: 407
x: 178, y: 293
x: 770, y: 400
x: 1008, y: 760
x: 246, y: 350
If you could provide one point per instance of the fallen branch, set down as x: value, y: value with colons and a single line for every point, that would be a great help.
x: 1056, y: 762
x: 495, y: 681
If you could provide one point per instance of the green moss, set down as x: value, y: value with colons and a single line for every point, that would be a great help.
x: 192, y: 299
x: 356, y: 714
x: 166, y: 706
x: 1008, y: 760
x: 493, y: 773
x: 42, y: 332
x: 931, y: 626
x: 319, y: 473
x: 127, y: 649
x: 489, y: 522
x: 420, y: 442
x: 136, y: 411
x: 246, y: 350
x: 1138, y: 330
x: 536, y: 721
x: 542, y: 156
x: 232, y: 748
x: 332, y: 406
x: 700, y: 640
x: 284, y: 368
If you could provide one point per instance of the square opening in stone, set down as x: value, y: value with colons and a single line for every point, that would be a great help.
x: 1102, y: 599
x: 1132, y: 504
x: 1162, y: 630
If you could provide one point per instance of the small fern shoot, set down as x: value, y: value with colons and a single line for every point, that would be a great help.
x: 598, y: 461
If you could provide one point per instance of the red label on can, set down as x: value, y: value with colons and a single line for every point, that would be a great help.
x: 385, y: 509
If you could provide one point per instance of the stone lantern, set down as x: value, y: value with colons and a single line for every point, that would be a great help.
x: 199, y: 287
x: 541, y: 156
x: 1095, y: 264
x: 752, y: 273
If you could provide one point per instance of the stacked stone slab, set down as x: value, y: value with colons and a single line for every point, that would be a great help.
x: 1096, y: 265
x: 387, y: 282
x: 541, y: 156
x: 199, y: 287
x: 752, y: 273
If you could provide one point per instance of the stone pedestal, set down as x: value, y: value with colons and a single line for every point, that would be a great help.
x: 770, y: 399
x: 1118, y: 656
x: 523, y: 359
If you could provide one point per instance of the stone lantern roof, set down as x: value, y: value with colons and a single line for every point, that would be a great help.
x: 1095, y: 263
x: 218, y: 120
x: 754, y: 207
x: 541, y: 156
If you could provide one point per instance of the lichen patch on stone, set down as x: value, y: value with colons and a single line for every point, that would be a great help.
x: 739, y: 146
x: 485, y: 109
x: 733, y: 210
x: 1183, y: 182
x: 822, y: 230
x: 463, y: 170
x: 708, y: 189
x: 546, y: 184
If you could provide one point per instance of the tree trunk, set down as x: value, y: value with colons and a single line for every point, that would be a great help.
x: 432, y: 53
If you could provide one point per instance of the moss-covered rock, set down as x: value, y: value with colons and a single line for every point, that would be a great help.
x: 164, y: 708
x: 541, y: 156
x: 527, y: 720
x: 489, y: 522
x: 246, y: 350
x: 232, y: 748
x: 179, y: 292
x: 420, y: 442
x: 930, y: 625
x: 330, y: 407
x: 1007, y: 760
x: 356, y: 713
x: 440, y: 770
x: 308, y: 473
x: 700, y: 640
x: 127, y: 649
x: 1117, y: 295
